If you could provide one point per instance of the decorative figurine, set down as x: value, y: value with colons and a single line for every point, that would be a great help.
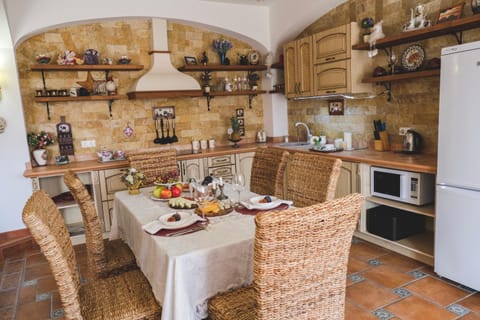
x: 204, y: 59
x: 377, y: 33
x: 417, y: 19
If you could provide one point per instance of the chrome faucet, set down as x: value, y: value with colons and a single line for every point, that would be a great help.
x: 309, y: 135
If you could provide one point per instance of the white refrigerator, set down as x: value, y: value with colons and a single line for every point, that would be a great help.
x: 457, y: 216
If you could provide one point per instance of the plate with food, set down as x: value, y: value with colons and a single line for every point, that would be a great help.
x: 215, y: 208
x: 412, y: 57
x: 264, y: 202
x: 182, y: 203
x: 178, y: 220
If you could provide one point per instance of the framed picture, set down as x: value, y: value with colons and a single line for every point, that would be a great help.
x: 240, y: 122
x: 242, y: 131
x: 451, y: 13
x: 239, y: 112
x: 190, y: 60
x: 335, y: 108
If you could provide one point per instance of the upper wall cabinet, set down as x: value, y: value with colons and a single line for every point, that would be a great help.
x: 338, y: 70
x: 332, y: 45
x: 298, y: 61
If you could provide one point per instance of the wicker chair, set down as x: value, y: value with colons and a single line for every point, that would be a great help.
x: 268, y: 171
x: 153, y: 163
x: 125, y: 296
x: 104, y: 258
x: 300, y: 265
x: 311, y: 179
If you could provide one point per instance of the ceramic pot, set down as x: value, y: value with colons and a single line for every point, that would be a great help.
x: 40, y: 156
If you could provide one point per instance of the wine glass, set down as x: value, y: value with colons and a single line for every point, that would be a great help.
x: 239, y: 184
x: 201, y: 195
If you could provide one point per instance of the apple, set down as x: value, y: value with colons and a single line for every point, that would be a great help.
x: 179, y: 186
x: 166, y: 194
x: 157, y: 191
x: 176, y: 192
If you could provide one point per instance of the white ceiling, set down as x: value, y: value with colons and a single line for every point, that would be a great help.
x: 265, y: 3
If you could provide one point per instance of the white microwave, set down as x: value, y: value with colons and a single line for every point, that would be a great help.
x: 405, y: 186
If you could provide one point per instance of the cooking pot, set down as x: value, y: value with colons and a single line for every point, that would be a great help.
x: 412, y: 142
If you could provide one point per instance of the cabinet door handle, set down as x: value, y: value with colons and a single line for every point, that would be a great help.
x: 330, y: 91
x: 329, y: 59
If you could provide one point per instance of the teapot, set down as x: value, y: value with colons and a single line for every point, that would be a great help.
x: 412, y: 142
x: 105, y: 155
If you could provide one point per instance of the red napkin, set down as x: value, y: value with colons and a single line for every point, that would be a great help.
x: 253, y: 212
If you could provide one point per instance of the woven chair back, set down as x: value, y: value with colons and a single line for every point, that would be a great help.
x: 153, y: 163
x: 47, y: 227
x: 268, y: 171
x: 300, y: 260
x: 311, y: 179
x: 93, y: 229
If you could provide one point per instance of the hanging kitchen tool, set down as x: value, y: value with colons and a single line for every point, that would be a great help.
x: 168, y: 139
x: 174, y: 136
x: 157, y: 139
x: 162, y: 139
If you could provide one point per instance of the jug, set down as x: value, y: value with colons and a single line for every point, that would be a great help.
x: 412, y: 142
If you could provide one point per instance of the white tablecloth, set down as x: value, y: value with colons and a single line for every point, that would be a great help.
x: 186, y: 270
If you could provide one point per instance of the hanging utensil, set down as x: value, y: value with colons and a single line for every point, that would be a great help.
x: 157, y: 139
x: 162, y: 139
x: 174, y: 137
x: 168, y: 139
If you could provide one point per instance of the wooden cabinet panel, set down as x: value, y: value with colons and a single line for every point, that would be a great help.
x: 332, y: 45
x: 333, y: 77
x: 349, y: 179
x: 244, y: 165
x: 193, y: 168
x: 298, y: 68
x: 110, y: 182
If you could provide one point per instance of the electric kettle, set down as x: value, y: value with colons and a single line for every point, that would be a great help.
x: 412, y: 142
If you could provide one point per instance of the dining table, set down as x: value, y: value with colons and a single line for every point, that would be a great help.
x: 186, y: 270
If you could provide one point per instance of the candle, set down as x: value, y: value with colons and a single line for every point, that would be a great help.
x: 347, y: 138
x: 221, y: 181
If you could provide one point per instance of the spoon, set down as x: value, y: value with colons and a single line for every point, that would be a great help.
x: 174, y: 137
x: 157, y: 139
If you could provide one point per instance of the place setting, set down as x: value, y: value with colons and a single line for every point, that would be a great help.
x: 176, y: 224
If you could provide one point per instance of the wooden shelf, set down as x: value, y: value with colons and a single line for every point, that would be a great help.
x: 86, y: 67
x: 403, y: 76
x: 440, y: 29
x: 277, y: 65
x: 426, y: 210
x: 83, y: 98
x: 236, y: 93
x: 221, y: 67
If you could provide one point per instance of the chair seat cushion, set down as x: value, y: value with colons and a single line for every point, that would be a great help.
x: 125, y: 296
x: 119, y: 258
x: 238, y: 304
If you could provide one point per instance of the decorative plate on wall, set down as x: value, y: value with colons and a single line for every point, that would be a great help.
x: 254, y: 57
x: 412, y: 57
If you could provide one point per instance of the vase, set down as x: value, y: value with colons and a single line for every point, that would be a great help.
x: 135, y: 188
x: 40, y: 156
x: 223, y: 57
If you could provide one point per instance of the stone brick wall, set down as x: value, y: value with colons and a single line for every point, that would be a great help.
x: 132, y: 37
x: 414, y: 103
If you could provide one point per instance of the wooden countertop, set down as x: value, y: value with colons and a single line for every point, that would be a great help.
x: 417, y: 162
x: 412, y: 162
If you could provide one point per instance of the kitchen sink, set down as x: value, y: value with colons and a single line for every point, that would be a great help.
x: 294, y: 144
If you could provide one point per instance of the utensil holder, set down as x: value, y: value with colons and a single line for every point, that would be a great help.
x: 385, y: 140
x: 378, y: 145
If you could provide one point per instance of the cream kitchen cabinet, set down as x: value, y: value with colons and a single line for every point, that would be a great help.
x: 244, y: 165
x: 298, y: 72
x: 110, y: 182
x: 67, y: 206
x: 193, y: 168
x: 221, y: 166
x: 332, y: 45
x: 418, y: 246
x: 349, y: 179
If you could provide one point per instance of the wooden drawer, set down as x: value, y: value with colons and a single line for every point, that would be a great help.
x: 221, y: 161
x: 222, y: 171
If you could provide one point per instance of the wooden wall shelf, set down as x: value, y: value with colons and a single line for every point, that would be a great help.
x: 86, y: 67
x: 403, y: 76
x: 82, y: 98
x: 221, y: 67
x: 440, y: 29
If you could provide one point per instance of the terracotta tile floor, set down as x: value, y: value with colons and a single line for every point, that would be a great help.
x: 380, y: 285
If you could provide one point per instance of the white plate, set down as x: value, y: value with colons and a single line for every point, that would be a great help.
x: 255, y: 201
x: 186, y: 219
x: 159, y: 199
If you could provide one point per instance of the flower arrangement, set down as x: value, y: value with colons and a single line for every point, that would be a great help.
x: 222, y: 45
x: 40, y: 140
x: 132, y: 177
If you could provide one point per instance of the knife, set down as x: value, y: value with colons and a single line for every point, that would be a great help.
x: 187, y: 231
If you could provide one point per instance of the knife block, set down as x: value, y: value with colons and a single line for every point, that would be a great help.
x: 385, y: 140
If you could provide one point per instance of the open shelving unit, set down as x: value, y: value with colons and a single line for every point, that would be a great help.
x: 75, y: 68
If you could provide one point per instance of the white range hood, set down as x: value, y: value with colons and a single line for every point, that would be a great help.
x: 163, y: 80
